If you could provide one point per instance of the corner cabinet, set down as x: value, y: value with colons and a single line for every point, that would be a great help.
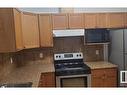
x: 30, y: 30
x: 10, y: 30
x: 106, y: 77
x: 45, y: 27
x: 47, y: 80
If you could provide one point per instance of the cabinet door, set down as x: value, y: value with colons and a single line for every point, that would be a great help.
x: 97, y: 79
x: 46, y: 35
x: 104, y: 77
x: 18, y: 30
x: 90, y: 20
x: 97, y: 82
x: 47, y: 80
x: 125, y: 20
x: 30, y: 30
x: 115, y: 20
x: 110, y: 82
x: 7, y: 37
x: 76, y: 21
x: 110, y: 77
x: 60, y: 21
x: 101, y: 20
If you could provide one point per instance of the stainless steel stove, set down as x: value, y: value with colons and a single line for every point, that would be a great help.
x: 71, y: 71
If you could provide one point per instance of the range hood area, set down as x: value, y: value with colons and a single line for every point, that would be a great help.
x: 68, y: 32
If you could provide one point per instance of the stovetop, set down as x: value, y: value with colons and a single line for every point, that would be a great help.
x: 73, y: 65
x: 75, y: 68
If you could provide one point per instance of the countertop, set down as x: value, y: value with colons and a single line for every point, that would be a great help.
x: 28, y: 73
x: 100, y: 64
x: 32, y: 72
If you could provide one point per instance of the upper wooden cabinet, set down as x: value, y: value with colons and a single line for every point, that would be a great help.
x: 46, y: 35
x: 90, y: 20
x: 30, y: 30
x: 68, y: 21
x: 115, y: 20
x: 95, y: 20
x: 76, y: 21
x: 125, y: 20
x: 10, y: 30
x: 101, y: 20
x: 60, y: 21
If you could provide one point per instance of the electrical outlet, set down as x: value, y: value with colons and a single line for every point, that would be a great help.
x: 97, y: 52
x: 11, y: 60
x: 41, y: 55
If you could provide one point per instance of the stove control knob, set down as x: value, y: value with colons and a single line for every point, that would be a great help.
x: 80, y: 55
x: 56, y: 56
x: 59, y: 64
x: 77, y: 55
x: 65, y: 63
x: 59, y: 56
x: 71, y: 63
x: 76, y: 63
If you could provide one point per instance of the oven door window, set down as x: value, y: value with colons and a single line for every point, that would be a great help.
x: 74, y: 82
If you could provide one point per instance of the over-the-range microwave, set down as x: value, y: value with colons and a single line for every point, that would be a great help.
x: 96, y: 35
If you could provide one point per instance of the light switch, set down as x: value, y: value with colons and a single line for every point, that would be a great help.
x: 11, y: 60
x: 41, y: 55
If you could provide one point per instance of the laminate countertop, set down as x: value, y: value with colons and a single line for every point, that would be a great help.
x: 28, y: 73
x: 100, y: 65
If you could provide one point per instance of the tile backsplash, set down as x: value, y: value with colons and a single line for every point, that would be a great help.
x: 76, y: 44
x: 23, y: 58
x: 32, y: 56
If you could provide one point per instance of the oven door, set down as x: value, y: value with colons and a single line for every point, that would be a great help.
x: 74, y: 81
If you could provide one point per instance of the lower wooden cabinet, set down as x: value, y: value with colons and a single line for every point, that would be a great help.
x: 47, y: 80
x: 104, y: 77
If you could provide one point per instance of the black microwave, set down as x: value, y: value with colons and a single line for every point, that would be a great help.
x: 96, y: 35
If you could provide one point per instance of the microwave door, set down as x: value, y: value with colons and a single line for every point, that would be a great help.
x: 93, y: 36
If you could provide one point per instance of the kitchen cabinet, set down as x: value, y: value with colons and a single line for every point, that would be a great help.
x: 104, y: 77
x: 60, y: 21
x: 68, y: 21
x: 76, y: 21
x: 125, y: 20
x: 115, y: 20
x: 90, y: 20
x: 10, y: 30
x: 30, y: 30
x: 47, y: 80
x: 101, y: 20
x: 45, y: 27
x: 95, y: 20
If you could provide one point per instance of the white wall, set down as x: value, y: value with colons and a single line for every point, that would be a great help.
x: 77, y: 10
x: 41, y: 10
x: 100, y: 10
